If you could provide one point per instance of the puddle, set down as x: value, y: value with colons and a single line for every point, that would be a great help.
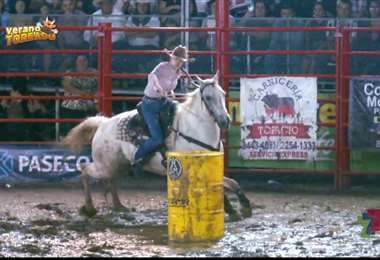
x: 47, y: 224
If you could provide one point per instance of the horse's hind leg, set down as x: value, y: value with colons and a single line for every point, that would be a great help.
x: 88, y: 209
x: 246, y: 208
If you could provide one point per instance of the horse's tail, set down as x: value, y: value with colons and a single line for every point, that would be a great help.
x: 83, y: 133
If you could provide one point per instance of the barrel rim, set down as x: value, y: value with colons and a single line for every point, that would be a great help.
x: 200, y: 153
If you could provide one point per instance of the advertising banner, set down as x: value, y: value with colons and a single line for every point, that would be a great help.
x: 364, y: 114
x: 278, y: 118
x: 40, y: 163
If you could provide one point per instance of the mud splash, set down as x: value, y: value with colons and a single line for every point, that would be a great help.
x: 281, y: 225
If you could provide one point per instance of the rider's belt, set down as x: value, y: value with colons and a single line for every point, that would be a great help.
x: 155, y: 98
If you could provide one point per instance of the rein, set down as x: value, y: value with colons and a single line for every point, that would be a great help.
x: 196, y: 141
x: 189, y: 138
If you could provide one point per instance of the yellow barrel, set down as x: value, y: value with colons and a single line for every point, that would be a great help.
x: 195, y: 196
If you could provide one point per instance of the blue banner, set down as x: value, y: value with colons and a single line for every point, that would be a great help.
x: 364, y: 120
x: 40, y: 163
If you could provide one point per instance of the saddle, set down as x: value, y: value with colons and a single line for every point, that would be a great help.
x: 134, y: 129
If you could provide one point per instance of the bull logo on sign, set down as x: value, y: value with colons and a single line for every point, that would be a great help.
x: 284, y: 106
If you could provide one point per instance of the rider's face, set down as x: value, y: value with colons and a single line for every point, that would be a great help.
x: 176, y: 62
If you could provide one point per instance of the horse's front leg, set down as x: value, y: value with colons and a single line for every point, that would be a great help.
x: 117, y: 205
x: 232, y: 185
x: 229, y: 209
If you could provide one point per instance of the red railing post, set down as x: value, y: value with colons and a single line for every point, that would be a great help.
x: 100, y: 44
x: 107, y: 70
x: 222, y: 21
x: 342, y: 93
x: 338, y: 84
x: 345, y: 180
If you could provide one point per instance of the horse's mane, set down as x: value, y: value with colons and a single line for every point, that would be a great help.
x: 190, y: 99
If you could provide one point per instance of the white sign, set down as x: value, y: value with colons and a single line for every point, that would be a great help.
x: 278, y: 118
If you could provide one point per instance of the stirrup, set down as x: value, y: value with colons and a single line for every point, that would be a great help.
x: 138, y: 161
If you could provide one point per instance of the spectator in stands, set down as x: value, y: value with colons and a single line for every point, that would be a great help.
x: 368, y: 41
x: 56, y: 6
x: 170, y: 7
x: 3, y: 14
x: 35, y: 5
x: 360, y: 8
x: 239, y: 8
x: 124, y: 6
x: 209, y: 38
x: 22, y: 108
x: 344, y: 15
x: 143, y: 17
x: 20, y: 62
x: 106, y: 14
x: 20, y: 18
x: 71, y: 39
x: 317, y: 40
x: 17, y: 108
x: 170, y: 40
x: 46, y: 60
x: 285, y: 40
x: 85, y: 6
x: 195, y: 20
x: 257, y: 40
x: 78, y: 86
x: 4, y: 20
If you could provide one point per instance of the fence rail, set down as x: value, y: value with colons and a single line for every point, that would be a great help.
x: 222, y: 54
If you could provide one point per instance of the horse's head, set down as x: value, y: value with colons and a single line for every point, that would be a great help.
x: 214, y: 98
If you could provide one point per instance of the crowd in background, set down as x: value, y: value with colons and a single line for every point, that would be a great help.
x: 168, y: 13
x: 165, y: 13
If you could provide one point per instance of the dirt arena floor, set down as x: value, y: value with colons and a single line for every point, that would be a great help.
x: 44, y: 221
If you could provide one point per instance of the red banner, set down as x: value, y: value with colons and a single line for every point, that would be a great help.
x: 279, y: 129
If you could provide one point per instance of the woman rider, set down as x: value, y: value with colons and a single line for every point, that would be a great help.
x: 161, y: 82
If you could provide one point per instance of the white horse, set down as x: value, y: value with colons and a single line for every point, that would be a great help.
x: 200, y: 116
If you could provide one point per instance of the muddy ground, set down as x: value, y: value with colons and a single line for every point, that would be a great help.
x: 44, y: 221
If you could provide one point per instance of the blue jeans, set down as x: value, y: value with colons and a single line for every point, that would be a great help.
x: 151, y: 109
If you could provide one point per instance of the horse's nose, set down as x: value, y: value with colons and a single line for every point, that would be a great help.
x: 226, y: 123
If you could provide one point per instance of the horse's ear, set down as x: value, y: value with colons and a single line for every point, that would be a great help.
x: 198, y: 79
x: 216, y: 78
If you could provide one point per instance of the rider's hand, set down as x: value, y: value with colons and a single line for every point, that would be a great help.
x: 162, y: 92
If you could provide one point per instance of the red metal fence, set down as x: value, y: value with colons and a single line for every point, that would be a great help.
x: 222, y: 55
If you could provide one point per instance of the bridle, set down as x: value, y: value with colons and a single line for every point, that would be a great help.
x: 189, y: 138
x: 201, y: 89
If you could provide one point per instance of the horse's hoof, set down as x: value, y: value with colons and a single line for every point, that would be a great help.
x: 88, y: 212
x: 122, y: 209
x: 234, y: 217
x: 246, y: 212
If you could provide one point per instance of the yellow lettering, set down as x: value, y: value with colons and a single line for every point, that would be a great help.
x: 234, y: 110
x: 9, y: 39
x: 16, y: 39
x: 52, y: 37
x: 327, y: 113
x: 23, y: 37
x: 9, y: 30
x: 30, y: 36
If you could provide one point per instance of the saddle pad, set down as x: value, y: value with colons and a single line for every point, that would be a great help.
x: 122, y: 129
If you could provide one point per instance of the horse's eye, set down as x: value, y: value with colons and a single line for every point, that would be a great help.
x: 208, y: 97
